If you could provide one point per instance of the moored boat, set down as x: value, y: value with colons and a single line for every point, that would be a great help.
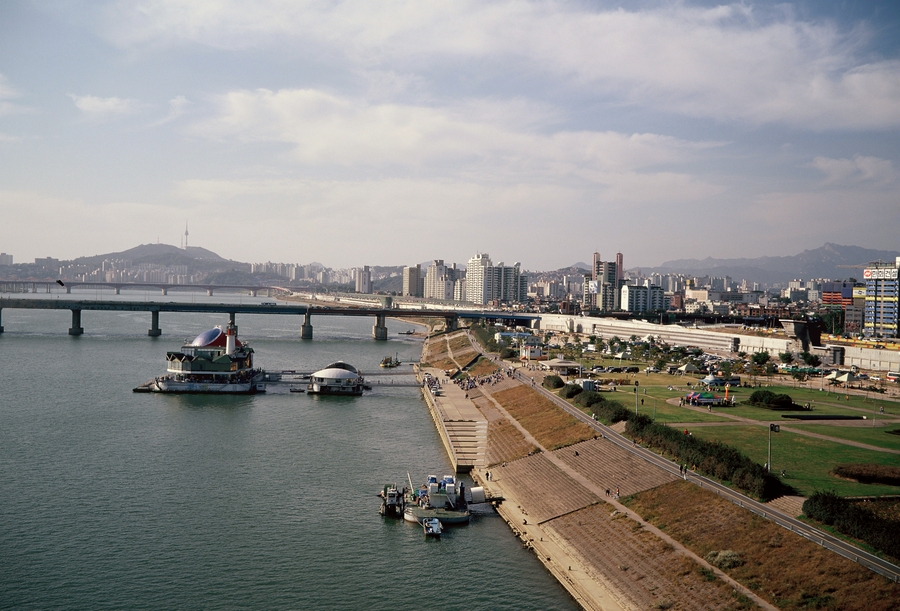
x: 432, y: 527
x: 338, y: 378
x: 214, y: 362
x: 444, y: 500
x: 390, y: 361
x: 393, y: 501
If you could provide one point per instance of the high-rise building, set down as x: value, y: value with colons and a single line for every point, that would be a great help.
x: 413, y: 281
x: 880, y: 315
x: 6, y: 259
x: 486, y: 282
x: 363, y: 280
x: 439, y: 281
x: 620, y: 267
x: 602, y: 291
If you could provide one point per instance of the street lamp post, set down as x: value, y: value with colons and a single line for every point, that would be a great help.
x: 773, y: 428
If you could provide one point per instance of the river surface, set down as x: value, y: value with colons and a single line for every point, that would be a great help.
x: 116, y: 500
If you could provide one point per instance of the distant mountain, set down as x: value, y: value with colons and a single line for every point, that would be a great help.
x: 161, y: 254
x: 581, y: 265
x: 830, y: 261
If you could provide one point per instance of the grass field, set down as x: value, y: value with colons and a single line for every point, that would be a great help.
x: 872, y: 435
x: 807, y: 461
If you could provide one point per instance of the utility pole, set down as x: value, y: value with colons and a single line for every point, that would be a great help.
x: 773, y: 428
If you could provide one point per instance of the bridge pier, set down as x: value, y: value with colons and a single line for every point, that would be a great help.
x: 68, y: 290
x: 253, y: 293
x: 452, y: 323
x: 165, y: 291
x: 231, y: 318
x: 1, y: 320
x: 379, y: 331
x: 209, y: 292
x: 76, y: 328
x: 154, y: 331
x: 118, y: 291
x: 306, y: 328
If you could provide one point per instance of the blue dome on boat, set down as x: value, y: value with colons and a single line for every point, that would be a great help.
x: 207, y: 337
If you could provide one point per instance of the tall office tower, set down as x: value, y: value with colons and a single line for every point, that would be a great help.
x: 413, y: 281
x: 363, y: 280
x: 880, y: 315
x: 620, y: 267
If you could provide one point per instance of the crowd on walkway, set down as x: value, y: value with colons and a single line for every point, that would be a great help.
x: 489, y: 380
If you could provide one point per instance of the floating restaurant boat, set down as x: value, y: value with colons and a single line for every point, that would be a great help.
x: 444, y: 500
x: 215, y: 362
x: 338, y: 378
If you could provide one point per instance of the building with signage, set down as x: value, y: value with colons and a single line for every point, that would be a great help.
x: 880, y: 316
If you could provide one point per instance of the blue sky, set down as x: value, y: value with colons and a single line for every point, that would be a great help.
x: 361, y: 133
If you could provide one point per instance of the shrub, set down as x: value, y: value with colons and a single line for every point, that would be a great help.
x: 725, y: 559
x: 588, y: 398
x: 553, y: 381
x: 570, y: 390
x: 611, y: 411
x: 507, y: 353
x: 769, y: 400
x: 869, y: 474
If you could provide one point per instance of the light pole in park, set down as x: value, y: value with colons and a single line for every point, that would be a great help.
x: 773, y: 428
x: 636, y: 384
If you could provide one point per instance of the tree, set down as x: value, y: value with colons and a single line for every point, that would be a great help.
x: 760, y: 358
x: 786, y: 357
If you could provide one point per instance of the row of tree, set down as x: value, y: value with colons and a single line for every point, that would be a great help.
x: 854, y: 520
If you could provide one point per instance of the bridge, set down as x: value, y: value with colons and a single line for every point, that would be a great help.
x: 379, y: 330
x: 24, y: 286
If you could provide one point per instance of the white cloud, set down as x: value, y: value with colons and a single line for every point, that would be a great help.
x: 727, y: 63
x: 329, y: 130
x: 98, y: 108
x: 8, y: 92
x: 857, y: 170
x: 178, y: 106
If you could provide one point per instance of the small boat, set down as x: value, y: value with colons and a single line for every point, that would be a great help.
x: 393, y: 501
x: 390, y: 361
x: 432, y: 527
x: 410, y: 332
x: 297, y: 390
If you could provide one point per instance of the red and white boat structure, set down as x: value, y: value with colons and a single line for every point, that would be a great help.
x: 216, y: 361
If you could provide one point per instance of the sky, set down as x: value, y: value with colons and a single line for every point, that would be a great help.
x: 391, y: 133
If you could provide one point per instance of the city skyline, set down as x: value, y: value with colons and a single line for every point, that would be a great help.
x: 356, y: 135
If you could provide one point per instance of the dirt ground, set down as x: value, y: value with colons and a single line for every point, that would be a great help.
x: 781, y: 567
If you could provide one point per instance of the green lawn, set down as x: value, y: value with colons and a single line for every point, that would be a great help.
x: 872, y: 435
x: 806, y: 460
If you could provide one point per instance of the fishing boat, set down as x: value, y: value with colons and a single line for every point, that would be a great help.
x: 216, y: 361
x: 338, y: 378
x: 391, y: 361
x: 432, y: 527
x: 444, y: 500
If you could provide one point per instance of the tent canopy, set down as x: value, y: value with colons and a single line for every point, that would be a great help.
x: 688, y: 368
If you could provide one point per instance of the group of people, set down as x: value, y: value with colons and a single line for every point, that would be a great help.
x: 489, y: 380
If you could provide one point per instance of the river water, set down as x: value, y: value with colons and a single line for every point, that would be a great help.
x: 116, y: 500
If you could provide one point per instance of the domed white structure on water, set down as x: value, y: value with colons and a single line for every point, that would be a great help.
x: 338, y: 378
